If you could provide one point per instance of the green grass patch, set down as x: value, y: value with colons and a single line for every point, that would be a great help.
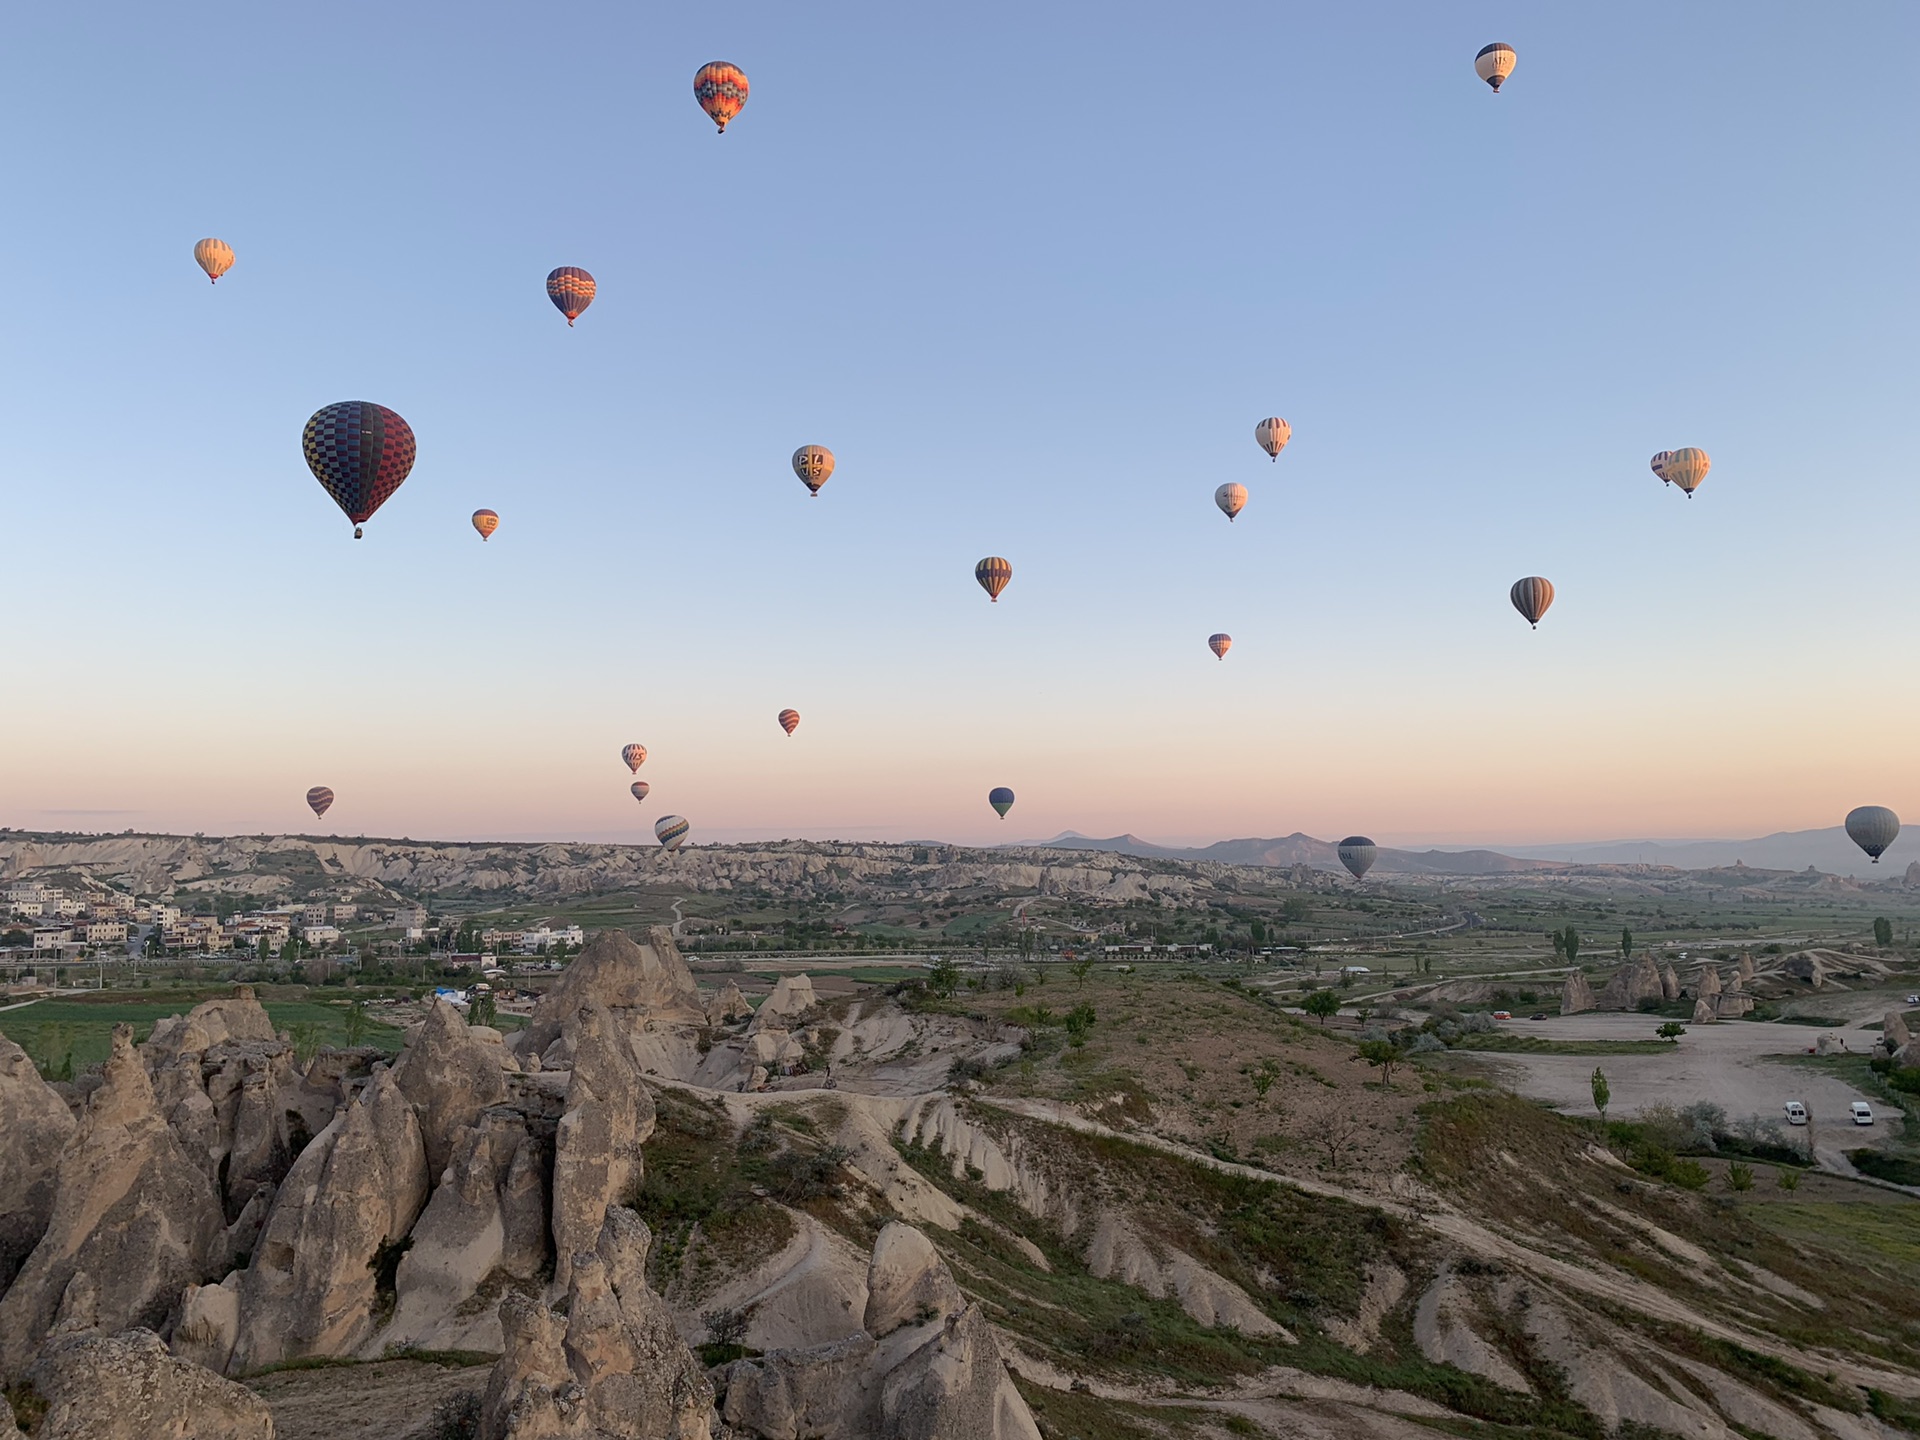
x: 1897, y: 1169
x: 85, y: 1027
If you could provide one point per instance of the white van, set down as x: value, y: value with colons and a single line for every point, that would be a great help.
x: 1796, y: 1113
x: 1862, y: 1113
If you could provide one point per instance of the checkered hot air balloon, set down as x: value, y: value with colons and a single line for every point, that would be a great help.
x: 993, y: 573
x: 360, y: 453
x: 789, y: 720
x: 634, y: 755
x: 671, y: 831
x: 1531, y: 597
x: 721, y: 89
x: 213, y: 256
x: 1220, y: 644
x: 571, y: 290
x: 319, y: 798
x: 813, y: 464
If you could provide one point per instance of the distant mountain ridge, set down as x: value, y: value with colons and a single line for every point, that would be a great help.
x: 1301, y: 849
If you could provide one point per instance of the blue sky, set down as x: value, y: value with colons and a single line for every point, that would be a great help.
x: 1033, y: 282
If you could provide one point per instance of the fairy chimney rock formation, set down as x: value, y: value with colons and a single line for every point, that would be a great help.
x: 637, y: 983
x: 35, y: 1125
x: 1669, y: 983
x: 1576, y: 994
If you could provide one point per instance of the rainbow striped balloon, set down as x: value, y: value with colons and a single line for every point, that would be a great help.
x: 671, y: 831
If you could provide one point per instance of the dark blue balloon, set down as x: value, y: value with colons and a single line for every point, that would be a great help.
x: 1001, y: 798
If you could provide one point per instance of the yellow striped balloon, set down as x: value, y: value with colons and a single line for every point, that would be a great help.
x: 721, y: 89
x: 1231, y: 499
x: 1273, y: 434
x: 1220, y: 644
x: 993, y: 573
x: 634, y: 755
x: 486, y: 522
x: 789, y: 720
x: 813, y: 464
x: 671, y: 831
x: 1531, y: 597
x: 571, y: 290
x: 213, y: 256
x: 1687, y: 468
x: 1493, y: 64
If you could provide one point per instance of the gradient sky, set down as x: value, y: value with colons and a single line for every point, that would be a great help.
x: 1033, y: 281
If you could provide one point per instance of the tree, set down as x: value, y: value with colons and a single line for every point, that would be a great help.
x: 1258, y: 929
x: 1570, y: 943
x: 1883, y: 931
x: 1671, y: 1031
x: 355, y: 1023
x: 1626, y: 943
x: 1080, y: 968
x: 1601, y: 1093
x: 481, y: 1011
x: 1382, y: 1053
x: 1263, y: 1075
x: 1078, y: 1022
x: 1321, y: 1004
x: 943, y: 976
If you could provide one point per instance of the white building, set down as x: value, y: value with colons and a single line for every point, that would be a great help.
x: 320, y: 934
x: 532, y: 942
x: 106, y: 932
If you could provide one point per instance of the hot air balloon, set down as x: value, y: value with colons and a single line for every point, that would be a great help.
x: 213, y: 256
x: 1358, y: 853
x: 1220, y: 644
x: 1231, y: 499
x: 635, y: 756
x: 1659, y: 466
x: 486, y: 522
x: 813, y: 464
x: 1001, y: 798
x: 1873, y: 828
x: 1493, y: 64
x: 1687, y: 468
x: 789, y: 720
x: 1531, y: 597
x: 721, y: 89
x: 993, y: 573
x: 319, y: 798
x: 671, y: 831
x: 1273, y: 434
x: 640, y: 789
x: 360, y: 453
x: 571, y: 290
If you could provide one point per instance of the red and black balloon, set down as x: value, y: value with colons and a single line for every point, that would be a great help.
x: 360, y: 453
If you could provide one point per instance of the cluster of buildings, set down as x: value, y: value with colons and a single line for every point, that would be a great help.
x: 539, y: 941
x: 60, y: 924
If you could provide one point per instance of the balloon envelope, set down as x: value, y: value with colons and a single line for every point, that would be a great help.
x: 1220, y: 644
x: 1687, y: 468
x: 1358, y: 853
x: 813, y: 464
x: 1494, y: 63
x: 671, y: 831
x: 640, y: 789
x: 213, y: 256
x: 1001, y: 798
x: 789, y: 720
x: 571, y: 289
x: 721, y: 89
x: 319, y: 797
x: 1231, y: 499
x: 1273, y: 434
x: 486, y: 522
x: 1531, y: 597
x: 360, y: 453
x: 1873, y: 828
x: 1659, y: 466
x: 634, y: 755
x: 993, y: 573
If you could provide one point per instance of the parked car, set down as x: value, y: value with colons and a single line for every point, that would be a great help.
x: 1796, y: 1113
x: 1913, y: 999
x: 1538, y: 1015
x: 1862, y: 1113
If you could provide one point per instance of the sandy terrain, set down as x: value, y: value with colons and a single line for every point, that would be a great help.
x: 390, y: 1400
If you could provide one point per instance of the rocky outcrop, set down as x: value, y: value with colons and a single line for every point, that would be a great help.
x: 236, y: 1017
x: 449, y: 1077
x: 1745, y: 969
x: 613, y: 1368
x: 1731, y: 1004
x: 1894, y: 1037
x: 1805, y: 967
x: 35, y: 1125
x: 1669, y: 983
x: 134, y: 1221
x: 127, y: 1387
x: 1707, y: 983
x: 792, y: 997
x: 596, y: 1147
x: 935, y: 1374
x: 1576, y: 994
x: 1116, y: 1251
x: 1703, y: 1011
x: 1636, y: 981
x: 728, y: 1005
x: 330, y: 1240
x: 637, y: 983
x: 1443, y: 1329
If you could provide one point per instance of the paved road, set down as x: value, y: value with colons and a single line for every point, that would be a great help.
x: 1736, y: 1064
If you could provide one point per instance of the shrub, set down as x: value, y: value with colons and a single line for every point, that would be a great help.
x: 1739, y: 1177
x: 798, y: 1178
x: 1688, y: 1174
x: 456, y: 1417
x: 1786, y: 1179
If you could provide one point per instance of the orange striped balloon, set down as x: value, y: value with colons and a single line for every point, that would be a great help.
x: 1220, y: 644
x: 486, y: 522
x: 571, y: 290
x: 1687, y: 468
x: 721, y: 89
x: 789, y: 720
x: 1531, y: 597
x: 993, y: 573
x: 213, y: 256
